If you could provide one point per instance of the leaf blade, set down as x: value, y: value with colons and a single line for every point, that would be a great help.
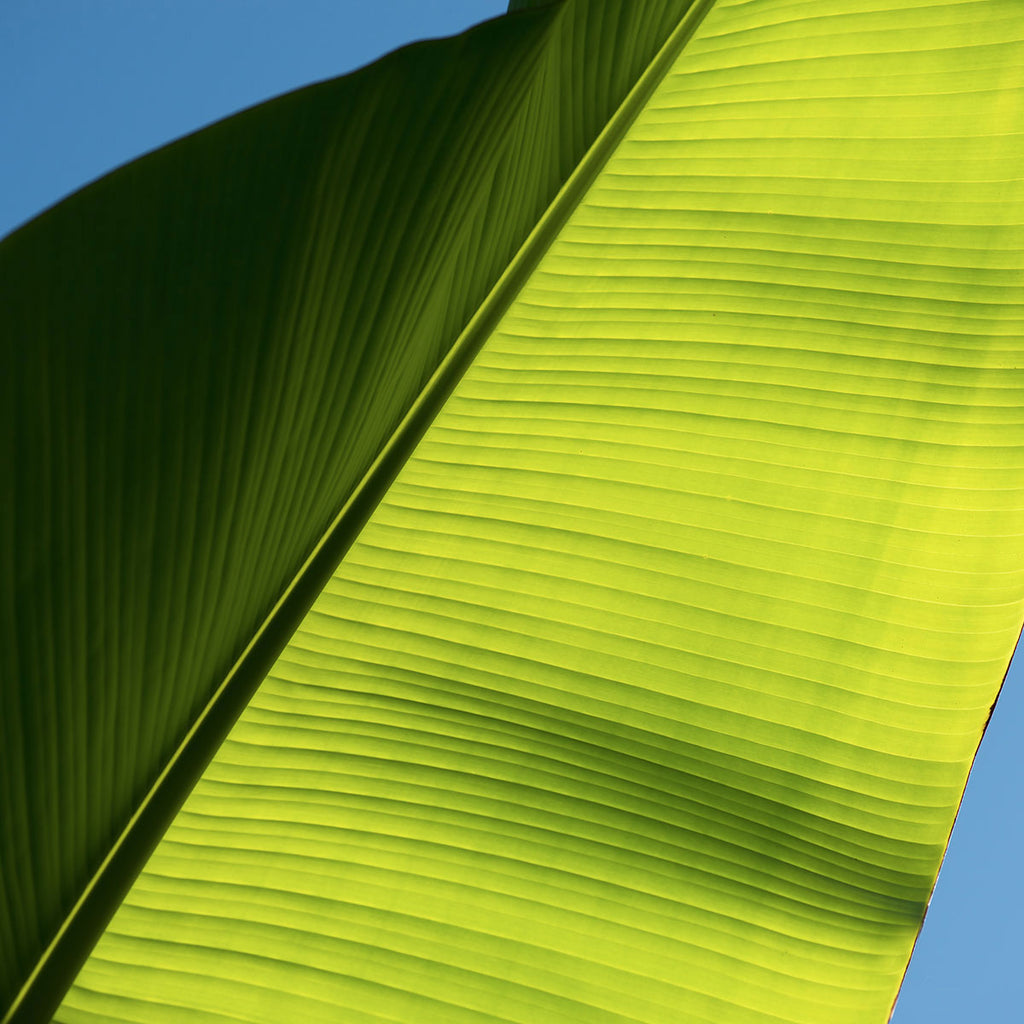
x: 574, y: 663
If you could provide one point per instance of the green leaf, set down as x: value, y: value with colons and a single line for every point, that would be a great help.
x: 649, y: 688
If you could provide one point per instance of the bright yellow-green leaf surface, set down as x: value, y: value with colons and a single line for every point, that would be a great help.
x: 649, y: 692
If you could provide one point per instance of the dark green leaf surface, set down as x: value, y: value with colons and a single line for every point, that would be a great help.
x: 648, y: 692
x: 203, y: 355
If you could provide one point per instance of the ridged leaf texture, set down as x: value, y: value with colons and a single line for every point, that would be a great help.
x: 646, y: 691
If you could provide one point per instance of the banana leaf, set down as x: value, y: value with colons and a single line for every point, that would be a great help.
x: 586, y: 454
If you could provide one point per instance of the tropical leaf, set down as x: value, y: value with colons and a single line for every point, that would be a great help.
x: 648, y: 689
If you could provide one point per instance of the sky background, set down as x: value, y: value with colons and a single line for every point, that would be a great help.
x: 86, y: 85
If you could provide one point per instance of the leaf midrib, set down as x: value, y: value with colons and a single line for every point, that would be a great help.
x: 81, y: 928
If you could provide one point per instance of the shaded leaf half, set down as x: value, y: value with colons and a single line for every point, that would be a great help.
x: 204, y: 355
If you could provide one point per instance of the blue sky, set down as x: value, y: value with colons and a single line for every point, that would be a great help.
x: 87, y: 84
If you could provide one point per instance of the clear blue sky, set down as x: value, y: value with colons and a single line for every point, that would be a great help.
x: 87, y: 84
